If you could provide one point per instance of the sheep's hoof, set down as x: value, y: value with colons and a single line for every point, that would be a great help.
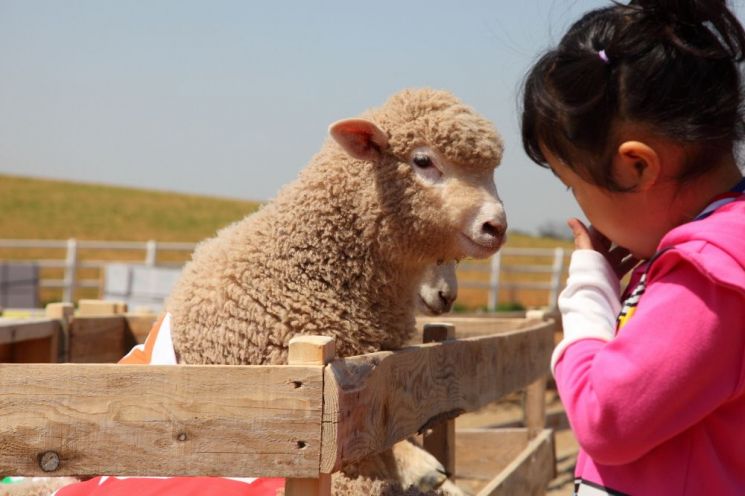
x: 449, y: 489
x: 417, y: 467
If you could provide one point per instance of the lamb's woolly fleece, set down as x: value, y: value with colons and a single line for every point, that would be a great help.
x: 342, y: 485
x: 36, y: 486
x: 338, y: 252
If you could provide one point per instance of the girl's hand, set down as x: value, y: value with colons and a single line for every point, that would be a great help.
x: 591, y: 239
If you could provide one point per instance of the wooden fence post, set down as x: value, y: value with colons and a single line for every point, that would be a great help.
x: 440, y: 440
x: 534, y: 408
x: 63, y: 312
x: 308, y: 350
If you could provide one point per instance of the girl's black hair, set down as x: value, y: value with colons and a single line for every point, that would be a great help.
x: 671, y: 65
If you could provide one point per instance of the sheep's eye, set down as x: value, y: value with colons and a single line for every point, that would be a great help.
x: 422, y: 161
x: 425, y: 165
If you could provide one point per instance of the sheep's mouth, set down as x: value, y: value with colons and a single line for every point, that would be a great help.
x: 480, y: 250
x: 429, y: 308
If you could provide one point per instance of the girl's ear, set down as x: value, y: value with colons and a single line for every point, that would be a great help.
x: 636, y: 166
x: 360, y: 138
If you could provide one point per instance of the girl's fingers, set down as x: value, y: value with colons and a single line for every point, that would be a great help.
x: 591, y: 239
x: 582, y: 240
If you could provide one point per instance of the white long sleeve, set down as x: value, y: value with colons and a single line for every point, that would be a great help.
x: 590, y: 302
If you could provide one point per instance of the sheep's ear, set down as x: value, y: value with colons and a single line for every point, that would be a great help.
x: 360, y: 138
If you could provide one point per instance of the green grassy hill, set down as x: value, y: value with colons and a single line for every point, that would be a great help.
x: 49, y: 209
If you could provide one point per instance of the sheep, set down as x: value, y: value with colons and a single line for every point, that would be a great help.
x: 436, y: 294
x: 342, y: 250
x: 438, y: 289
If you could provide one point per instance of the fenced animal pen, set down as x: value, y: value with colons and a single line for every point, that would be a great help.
x: 300, y: 421
x: 72, y: 269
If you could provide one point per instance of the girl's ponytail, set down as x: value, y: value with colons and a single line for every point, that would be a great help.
x: 707, y: 28
x: 669, y: 65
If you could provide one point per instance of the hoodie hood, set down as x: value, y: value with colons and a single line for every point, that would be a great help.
x: 716, y: 243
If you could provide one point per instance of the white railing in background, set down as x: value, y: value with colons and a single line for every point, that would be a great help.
x: 496, y: 268
x: 72, y: 262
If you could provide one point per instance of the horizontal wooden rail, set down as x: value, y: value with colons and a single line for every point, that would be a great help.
x: 528, y: 269
x: 61, y: 283
x: 297, y: 421
x: 94, y: 245
x: 506, y: 285
x: 524, y: 464
x: 30, y: 340
x: 15, y: 331
x: 375, y: 400
x: 85, y: 419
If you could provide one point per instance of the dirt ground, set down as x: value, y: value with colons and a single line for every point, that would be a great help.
x: 508, y: 413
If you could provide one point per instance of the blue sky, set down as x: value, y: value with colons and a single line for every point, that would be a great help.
x: 232, y: 98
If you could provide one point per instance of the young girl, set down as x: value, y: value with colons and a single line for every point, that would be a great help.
x: 637, y: 112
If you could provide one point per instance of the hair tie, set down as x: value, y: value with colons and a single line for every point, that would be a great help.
x: 604, y: 56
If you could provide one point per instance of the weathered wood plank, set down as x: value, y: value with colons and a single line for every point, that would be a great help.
x: 60, y: 311
x: 534, y: 406
x: 483, y: 453
x: 29, y: 340
x: 98, y: 339
x: 306, y: 350
x: 17, y: 330
x: 100, y: 308
x: 160, y: 420
x: 440, y: 438
x: 375, y: 400
x: 140, y: 325
x: 471, y: 326
x: 527, y: 474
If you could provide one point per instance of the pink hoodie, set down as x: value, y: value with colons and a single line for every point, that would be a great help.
x: 660, y: 409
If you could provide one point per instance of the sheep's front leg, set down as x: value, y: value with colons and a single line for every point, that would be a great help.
x: 416, y: 466
x: 408, y: 465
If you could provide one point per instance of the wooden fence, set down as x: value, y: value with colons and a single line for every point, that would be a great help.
x: 75, y: 256
x: 302, y: 421
x: 71, y: 262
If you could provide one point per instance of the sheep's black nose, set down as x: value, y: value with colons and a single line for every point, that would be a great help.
x: 446, y: 298
x: 493, y: 229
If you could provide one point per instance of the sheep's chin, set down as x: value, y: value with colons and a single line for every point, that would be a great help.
x: 472, y: 249
x: 428, y: 308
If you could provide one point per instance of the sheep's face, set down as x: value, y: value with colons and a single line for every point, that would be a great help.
x: 438, y: 289
x: 442, y: 156
x: 469, y: 212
